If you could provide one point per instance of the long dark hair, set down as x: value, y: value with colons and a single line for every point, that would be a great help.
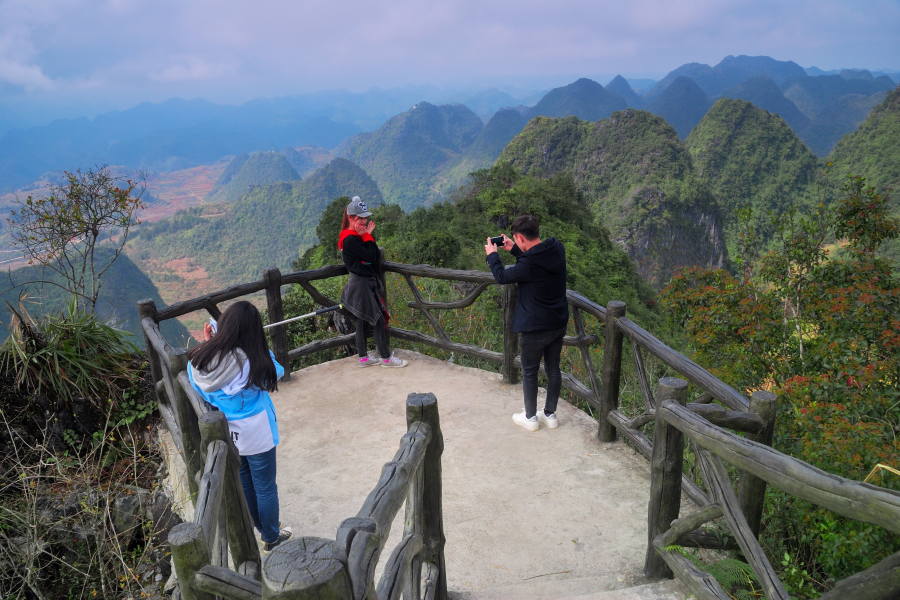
x: 346, y: 222
x: 240, y: 326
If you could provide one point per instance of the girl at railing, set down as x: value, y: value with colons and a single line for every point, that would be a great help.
x: 234, y: 370
x: 363, y: 295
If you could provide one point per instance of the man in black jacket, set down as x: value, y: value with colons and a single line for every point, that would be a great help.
x: 542, y: 312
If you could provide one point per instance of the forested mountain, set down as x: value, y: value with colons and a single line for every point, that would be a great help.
x: 873, y: 151
x: 813, y: 95
x: 481, y: 154
x: 452, y: 234
x: 839, y: 118
x: 404, y: 155
x: 585, y: 99
x: 731, y: 71
x: 640, y: 181
x: 820, y: 109
x: 750, y: 157
x: 266, y: 227
x: 122, y: 286
x: 764, y: 93
x: 486, y: 103
x: 306, y: 160
x: 620, y: 86
x: 247, y: 171
x: 682, y: 104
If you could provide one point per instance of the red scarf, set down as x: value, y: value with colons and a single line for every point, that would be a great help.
x: 366, y: 237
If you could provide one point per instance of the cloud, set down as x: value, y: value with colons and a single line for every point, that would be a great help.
x: 192, y: 69
x: 222, y: 49
x: 28, y: 77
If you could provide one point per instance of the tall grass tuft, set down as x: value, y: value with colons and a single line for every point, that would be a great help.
x: 66, y: 354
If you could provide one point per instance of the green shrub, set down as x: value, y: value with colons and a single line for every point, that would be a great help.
x: 65, y: 355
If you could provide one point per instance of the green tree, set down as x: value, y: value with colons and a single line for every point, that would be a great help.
x: 63, y: 231
x: 816, y: 320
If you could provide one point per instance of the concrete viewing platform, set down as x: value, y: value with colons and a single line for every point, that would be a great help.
x: 532, y: 516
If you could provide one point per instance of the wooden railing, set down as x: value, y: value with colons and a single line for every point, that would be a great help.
x: 705, y: 423
x: 305, y: 567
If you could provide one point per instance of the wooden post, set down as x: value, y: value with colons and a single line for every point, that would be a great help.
x: 586, y: 353
x: 238, y: 524
x: 510, y: 338
x: 383, y: 277
x: 272, y: 277
x: 186, y: 419
x: 612, y: 371
x: 665, y: 477
x: 751, y: 489
x: 190, y: 553
x: 307, y: 568
x: 424, y: 407
x: 147, y: 309
x: 414, y: 525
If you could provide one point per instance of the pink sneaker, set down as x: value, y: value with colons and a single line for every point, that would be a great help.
x: 368, y: 361
x: 393, y: 362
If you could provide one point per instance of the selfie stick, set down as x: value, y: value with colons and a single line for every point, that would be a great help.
x: 312, y: 314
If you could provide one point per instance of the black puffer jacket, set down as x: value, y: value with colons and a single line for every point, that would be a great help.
x: 541, y: 275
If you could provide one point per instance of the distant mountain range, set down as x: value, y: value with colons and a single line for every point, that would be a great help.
x: 664, y: 172
x: 266, y: 227
x: 179, y: 134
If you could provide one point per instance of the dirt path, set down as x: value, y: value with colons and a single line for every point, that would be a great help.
x: 549, y: 514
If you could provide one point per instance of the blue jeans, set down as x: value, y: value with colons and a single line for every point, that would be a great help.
x: 535, y: 346
x: 258, y: 479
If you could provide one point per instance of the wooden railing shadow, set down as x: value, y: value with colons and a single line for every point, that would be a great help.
x: 708, y: 422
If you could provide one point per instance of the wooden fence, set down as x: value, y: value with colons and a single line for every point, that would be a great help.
x: 305, y: 567
x: 709, y: 427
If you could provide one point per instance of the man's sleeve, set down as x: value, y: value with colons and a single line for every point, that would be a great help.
x: 521, y: 271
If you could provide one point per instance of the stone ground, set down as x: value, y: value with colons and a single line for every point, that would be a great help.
x: 531, y: 516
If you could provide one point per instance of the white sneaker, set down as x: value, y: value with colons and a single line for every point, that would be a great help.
x: 522, y: 421
x: 393, y: 362
x: 549, y: 420
x: 369, y: 361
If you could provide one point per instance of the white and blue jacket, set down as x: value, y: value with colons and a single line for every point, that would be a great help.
x: 249, y: 410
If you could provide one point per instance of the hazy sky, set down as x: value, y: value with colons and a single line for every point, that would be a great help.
x: 120, y: 52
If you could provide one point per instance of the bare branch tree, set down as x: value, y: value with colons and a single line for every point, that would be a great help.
x: 62, y: 231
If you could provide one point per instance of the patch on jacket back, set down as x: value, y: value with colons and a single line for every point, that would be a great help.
x: 252, y: 435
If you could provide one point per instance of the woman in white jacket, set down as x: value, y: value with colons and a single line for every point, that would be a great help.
x: 234, y: 370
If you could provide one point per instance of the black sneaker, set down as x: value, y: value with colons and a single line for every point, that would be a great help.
x: 283, y: 536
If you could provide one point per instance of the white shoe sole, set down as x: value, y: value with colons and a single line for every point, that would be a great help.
x: 550, y: 423
x: 526, y: 424
x: 400, y: 366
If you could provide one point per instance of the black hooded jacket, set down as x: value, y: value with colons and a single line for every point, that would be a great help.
x: 541, y: 275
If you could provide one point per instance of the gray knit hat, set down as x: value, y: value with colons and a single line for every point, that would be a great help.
x: 358, y: 208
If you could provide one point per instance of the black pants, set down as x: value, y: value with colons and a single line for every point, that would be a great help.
x: 536, y: 345
x: 364, y: 329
